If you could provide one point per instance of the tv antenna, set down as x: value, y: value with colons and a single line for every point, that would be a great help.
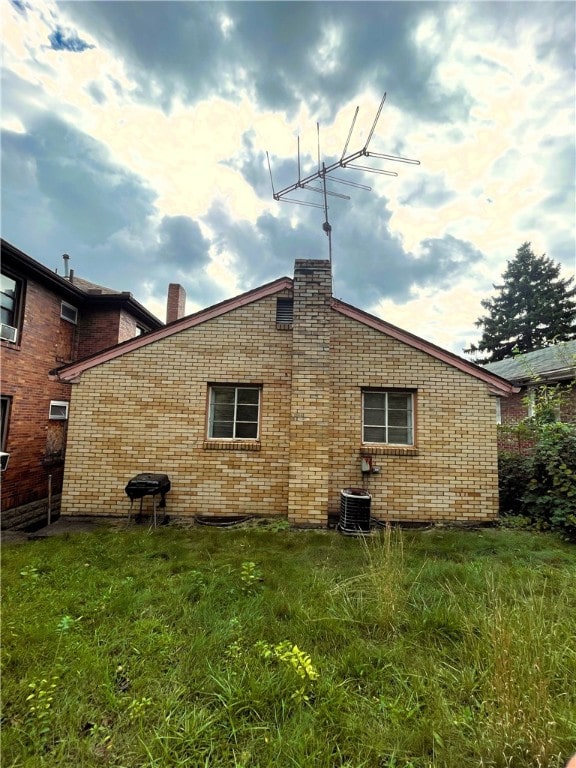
x: 345, y: 161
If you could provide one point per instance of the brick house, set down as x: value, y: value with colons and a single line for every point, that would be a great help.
x: 552, y: 366
x: 48, y: 320
x: 266, y: 404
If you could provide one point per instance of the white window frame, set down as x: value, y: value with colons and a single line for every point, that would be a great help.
x: 235, y: 421
x: 55, y: 412
x: 73, y: 313
x: 498, y: 402
x: 10, y: 332
x: 385, y: 421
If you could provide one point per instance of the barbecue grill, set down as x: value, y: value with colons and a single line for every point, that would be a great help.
x: 148, y: 484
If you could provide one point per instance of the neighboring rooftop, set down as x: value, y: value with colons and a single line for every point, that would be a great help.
x: 555, y: 363
x: 77, y: 290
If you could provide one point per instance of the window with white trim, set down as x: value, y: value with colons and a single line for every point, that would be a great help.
x: 58, y: 410
x: 234, y: 412
x: 68, y: 313
x: 10, y: 307
x: 388, y: 417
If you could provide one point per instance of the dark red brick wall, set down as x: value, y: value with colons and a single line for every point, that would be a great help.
x: 35, y: 443
x: 102, y: 328
x: 513, y: 409
x: 98, y: 330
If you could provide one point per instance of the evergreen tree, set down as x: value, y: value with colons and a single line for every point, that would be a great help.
x: 534, y: 308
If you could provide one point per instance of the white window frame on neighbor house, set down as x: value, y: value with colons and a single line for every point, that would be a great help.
x: 69, y: 313
x: 58, y: 410
x: 234, y: 412
x: 383, y: 421
x: 12, y: 291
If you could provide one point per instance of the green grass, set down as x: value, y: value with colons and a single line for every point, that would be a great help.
x: 256, y: 647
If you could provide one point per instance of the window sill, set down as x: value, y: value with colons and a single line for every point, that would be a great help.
x: 15, y: 345
x: 388, y: 450
x: 231, y: 445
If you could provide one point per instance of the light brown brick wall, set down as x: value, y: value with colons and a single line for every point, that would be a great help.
x: 452, y: 472
x: 310, y: 400
x: 146, y: 412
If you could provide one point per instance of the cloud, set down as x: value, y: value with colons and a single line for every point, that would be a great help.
x: 66, y: 40
x: 282, y: 54
x: 144, y: 155
x: 182, y: 243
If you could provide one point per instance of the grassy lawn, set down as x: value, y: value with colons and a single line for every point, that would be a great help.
x: 260, y: 647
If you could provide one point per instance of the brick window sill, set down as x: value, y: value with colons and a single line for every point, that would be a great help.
x: 388, y: 450
x: 231, y: 445
x: 15, y: 345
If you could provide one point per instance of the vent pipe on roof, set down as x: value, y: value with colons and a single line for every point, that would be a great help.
x: 66, y: 270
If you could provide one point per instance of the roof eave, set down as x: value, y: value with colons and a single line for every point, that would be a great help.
x: 71, y: 373
x: 496, y: 384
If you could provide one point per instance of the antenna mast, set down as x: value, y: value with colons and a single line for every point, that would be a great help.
x: 324, y: 171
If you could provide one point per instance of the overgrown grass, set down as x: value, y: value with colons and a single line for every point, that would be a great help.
x: 255, y: 648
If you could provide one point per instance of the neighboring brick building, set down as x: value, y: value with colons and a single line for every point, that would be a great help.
x: 265, y: 404
x: 552, y: 366
x: 48, y: 320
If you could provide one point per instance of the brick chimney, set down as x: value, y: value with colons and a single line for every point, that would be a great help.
x: 311, y: 414
x: 176, y: 304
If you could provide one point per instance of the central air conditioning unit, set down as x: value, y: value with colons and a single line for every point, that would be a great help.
x: 8, y: 333
x: 355, y: 506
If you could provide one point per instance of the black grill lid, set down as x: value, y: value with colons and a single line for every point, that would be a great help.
x: 147, y: 484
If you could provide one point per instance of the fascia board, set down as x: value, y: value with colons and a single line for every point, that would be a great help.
x: 72, y: 373
x: 496, y: 384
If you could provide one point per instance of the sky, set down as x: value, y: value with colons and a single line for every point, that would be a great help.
x: 135, y: 139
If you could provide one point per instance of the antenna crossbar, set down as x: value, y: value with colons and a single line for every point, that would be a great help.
x: 324, y: 171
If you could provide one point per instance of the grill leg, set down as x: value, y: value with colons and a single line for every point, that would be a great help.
x: 130, y: 510
x: 154, y: 505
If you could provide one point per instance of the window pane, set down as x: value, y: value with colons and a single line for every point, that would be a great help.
x: 401, y: 402
x: 399, y: 436
x: 374, y: 399
x: 222, y: 429
x: 8, y: 300
x: 248, y: 396
x: 234, y: 412
x: 223, y: 395
x: 398, y: 419
x: 387, y: 418
x: 375, y: 418
x: 247, y: 413
x: 374, y: 435
x: 247, y: 430
x: 223, y: 413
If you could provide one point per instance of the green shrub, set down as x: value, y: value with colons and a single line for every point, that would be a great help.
x: 514, y: 474
x: 540, y: 488
x: 551, y: 493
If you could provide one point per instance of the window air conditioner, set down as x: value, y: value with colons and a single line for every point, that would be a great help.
x: 7, y: 332
x: 4, y: 460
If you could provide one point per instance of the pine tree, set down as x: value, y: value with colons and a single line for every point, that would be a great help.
x: 534, y: 308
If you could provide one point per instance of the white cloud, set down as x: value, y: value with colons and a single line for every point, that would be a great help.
x: 497, y: 174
